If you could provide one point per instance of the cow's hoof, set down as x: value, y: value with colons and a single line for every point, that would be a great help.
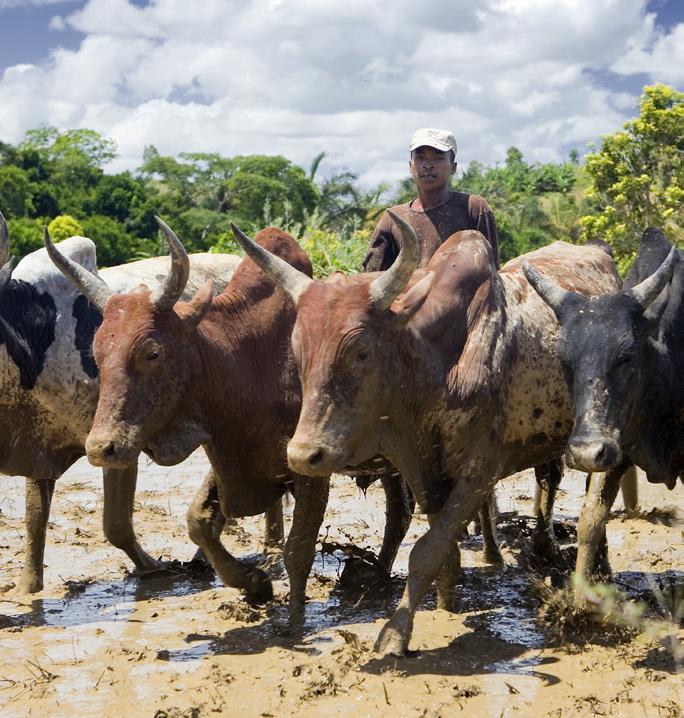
x: 199, y: 565
x: 545, y: 548
x: 448, y: 601
x: 493, y: 557
x: 358, y: 575
x: 390, y: 642
x: 258, y: 587
x: 29, y: 583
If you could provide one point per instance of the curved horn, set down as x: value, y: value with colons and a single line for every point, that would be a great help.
x: 93, y: 288
x: 283, y: 274
x: 6, y: 273
x: 645, y: 292
x: 4, y: 240
x: 389, y: 285
x: 547, y: 289
x: 165, y: 296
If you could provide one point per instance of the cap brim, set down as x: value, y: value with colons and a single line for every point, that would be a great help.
x: 436, y: 145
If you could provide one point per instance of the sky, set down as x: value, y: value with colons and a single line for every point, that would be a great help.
x: 353, y: 79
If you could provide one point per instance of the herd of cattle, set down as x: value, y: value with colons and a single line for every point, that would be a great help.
x: 456, y: 373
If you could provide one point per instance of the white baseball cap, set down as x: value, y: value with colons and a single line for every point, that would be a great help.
x: 439, y: 139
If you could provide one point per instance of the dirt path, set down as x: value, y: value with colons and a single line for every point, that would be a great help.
x: 99, y: 642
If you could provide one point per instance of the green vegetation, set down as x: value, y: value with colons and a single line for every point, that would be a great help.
x: 638, y: 175
x: 57, y: 178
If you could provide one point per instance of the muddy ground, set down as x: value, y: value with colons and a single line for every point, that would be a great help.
x: 99, y: 641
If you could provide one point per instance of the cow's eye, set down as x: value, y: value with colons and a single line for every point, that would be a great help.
x: 624, y: 360
x: 152, y: 355
x: 362, y: 356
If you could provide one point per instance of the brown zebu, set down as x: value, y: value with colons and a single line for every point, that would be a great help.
x: 49, y: 384
x: 216, y: 372
x: 451, y: 372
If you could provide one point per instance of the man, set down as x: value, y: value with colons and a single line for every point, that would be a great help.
x: 437, y: 212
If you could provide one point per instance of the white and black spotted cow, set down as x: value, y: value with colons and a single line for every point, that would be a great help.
x: 49, y: 382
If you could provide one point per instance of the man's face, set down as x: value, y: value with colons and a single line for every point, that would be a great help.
x: 431, y: 168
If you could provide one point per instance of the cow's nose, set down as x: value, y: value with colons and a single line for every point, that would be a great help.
x: 305, y: 458
x: 100, y: 450
x: 592, y: 455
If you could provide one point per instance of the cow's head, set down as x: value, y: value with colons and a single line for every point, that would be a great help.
x: 142, y: 350
x: 345, y: 344
x: 602, y: 344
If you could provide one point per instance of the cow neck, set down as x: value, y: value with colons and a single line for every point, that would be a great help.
x: 243, y: 351
x: 439, y: 339
x: 653, y: 434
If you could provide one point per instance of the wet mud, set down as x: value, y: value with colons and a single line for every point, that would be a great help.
x: 101, y: 641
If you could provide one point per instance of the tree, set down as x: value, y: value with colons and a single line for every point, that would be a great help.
x: 67, y: 165
x: 638, y: 174
x: 15, y: 192
x: 26, y: 235
x: 114, y: 244
x: 259, y: 182
x: 64, y: 226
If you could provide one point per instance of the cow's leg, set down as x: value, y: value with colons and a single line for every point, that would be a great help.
x: 548, y: 477
x: 202, y: 527
x: 399, y: 507
x: 38, y: 498
x: 117, y: 516
x: 445, y: 583
x: 488, y: 513
x: 591, y: 528
x: 311, y: 498
x: 212, y: 514
x: 629, y: 489
x: 428, y: 557
x: 274, y: 531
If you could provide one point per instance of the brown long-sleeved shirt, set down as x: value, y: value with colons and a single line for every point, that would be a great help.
x: 460, y: 211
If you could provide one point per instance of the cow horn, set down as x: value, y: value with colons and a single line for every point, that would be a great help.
x: 390, y: 284
x: 645, y: 292
x: 93, y: 287
x: 165, y: 296
x: 547, y: 289
x: 4, y: 240
x: 6, y: 273
x: 283, y: 274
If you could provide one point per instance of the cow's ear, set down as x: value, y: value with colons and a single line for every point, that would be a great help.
x: 408, y: 303
x: 193, y: 311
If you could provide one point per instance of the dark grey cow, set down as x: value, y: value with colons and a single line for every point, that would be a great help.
x: 49, y: 383
x: 623, y: 356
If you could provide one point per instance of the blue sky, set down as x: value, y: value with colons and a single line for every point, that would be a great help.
x: 354, y: 79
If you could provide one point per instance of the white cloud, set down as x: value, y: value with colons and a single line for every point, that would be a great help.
x: 354, y: 79
x: 662, y: 58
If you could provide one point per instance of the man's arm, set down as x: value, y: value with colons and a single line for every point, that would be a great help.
x: 487, y: 225
x: 382, y: 250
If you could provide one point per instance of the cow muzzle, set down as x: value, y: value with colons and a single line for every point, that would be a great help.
x: 592, y: 455
x: 111, y: 452
x: 311, y: 459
